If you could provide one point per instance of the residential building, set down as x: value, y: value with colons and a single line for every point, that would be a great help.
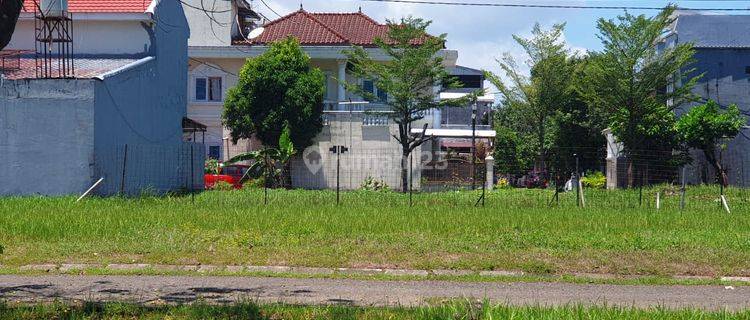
x: 116, y: 112
x: 722, y: 56
x: 217, y: 56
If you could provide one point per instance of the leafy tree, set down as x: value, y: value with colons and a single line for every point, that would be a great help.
x: 705, y: 126
x: 408, y: 77
x: 276, y: 88
x: 9, y: 12
x: 536, y: 99
x: 634, y: 87
x: 269, y: 162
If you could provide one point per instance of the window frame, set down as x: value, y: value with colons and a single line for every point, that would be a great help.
x: 208, y: 89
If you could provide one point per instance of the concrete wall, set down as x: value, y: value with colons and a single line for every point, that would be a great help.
x: 142, y: 106
x: 213, y: 30
x: 93, y: 37
x: 46, y: 136
x: 372, y: 152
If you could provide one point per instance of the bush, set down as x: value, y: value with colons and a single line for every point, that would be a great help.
x: 503, y: 183
x: 211, y: 166
x: 254, y: 183
x: 223, y: 186
x: 372, y: 184
x: 1, y: 249
x: 594, y: 180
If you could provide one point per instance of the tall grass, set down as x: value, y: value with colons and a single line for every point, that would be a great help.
x: 251, y: 311
x: 516, y: 230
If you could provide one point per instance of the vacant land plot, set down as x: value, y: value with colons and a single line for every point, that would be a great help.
x: 516, y: 230
x: 116, y: 311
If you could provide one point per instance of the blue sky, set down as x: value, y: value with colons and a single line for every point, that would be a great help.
x: 481, y: 34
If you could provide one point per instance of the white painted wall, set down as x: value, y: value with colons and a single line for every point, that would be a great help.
x: 92, y: 37
x: 209, y: 31
x: 46, y: 136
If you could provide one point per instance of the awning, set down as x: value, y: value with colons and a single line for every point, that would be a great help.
x: 190, y: 125
x: 455, y: 133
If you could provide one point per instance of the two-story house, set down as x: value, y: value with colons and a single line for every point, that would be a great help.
x: 722, y: 56
x: 218, y: 52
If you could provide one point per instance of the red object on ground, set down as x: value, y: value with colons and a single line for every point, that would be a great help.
x: 231, y: 174
x: 210, y: 180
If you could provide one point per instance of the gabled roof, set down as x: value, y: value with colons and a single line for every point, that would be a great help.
x: 98, y: 6
x: 323, y: 29
x: 714, y: 31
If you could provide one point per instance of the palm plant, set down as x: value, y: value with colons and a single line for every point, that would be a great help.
x: 270, y: 163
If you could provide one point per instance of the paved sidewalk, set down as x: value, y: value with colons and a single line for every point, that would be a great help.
x: 184, y: 289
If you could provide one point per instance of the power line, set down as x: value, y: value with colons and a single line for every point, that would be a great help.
x: 547, y: 6
x: 269, y: 8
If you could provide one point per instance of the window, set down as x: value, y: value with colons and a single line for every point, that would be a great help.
x: 200, y: 89
x: 214, y: 152
x: 208, y: 89
x: 369, y: 86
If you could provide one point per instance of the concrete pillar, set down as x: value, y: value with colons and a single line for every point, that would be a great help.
x: 341, y: 78
x: 490, y: 163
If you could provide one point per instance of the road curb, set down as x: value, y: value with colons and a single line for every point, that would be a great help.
x: 318, y: 271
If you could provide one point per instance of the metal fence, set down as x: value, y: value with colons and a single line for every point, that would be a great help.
x: 136, y: 169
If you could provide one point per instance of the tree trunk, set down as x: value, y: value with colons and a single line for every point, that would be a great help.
x: 405, y: 172
x: 9, y: 12
x: 721, y: 174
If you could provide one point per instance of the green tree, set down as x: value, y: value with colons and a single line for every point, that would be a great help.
x: 706, y: 126
x: 634, y: 87
x: 408, y: 77
x: 276, y: 88
x: 536, y: 98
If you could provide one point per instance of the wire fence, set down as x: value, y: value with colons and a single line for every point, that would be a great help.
x: 583, y: 177
x: 579, y: 176
x: 138, y: 169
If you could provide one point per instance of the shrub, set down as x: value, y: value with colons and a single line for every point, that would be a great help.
x: 594, y: 180
x: 223, y: 186
x: 1, y: 249
x: 372, y: 184
x: 254, y: 183
x: 503, y: 183
x: 211, y: 166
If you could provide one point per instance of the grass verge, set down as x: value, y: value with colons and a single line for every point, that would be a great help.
x: 516, y: 230
x: 454, y: 310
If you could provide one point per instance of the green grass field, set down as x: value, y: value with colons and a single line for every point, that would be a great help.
x: 250, y: 311
x: 516, y: 230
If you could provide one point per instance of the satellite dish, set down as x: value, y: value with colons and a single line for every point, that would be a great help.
x: 255, y: 33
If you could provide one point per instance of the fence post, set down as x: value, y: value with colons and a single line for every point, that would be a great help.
x: 490, y: 172
x: 684, y: 184
x: 577, y: 183
x: 192, y: 174
x: 411, y: 172
x: 124, y: 168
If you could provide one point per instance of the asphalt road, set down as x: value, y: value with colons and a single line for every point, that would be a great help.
x: 184, y: 289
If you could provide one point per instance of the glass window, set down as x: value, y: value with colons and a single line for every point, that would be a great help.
x: 382, y: 96
x: 368, y: 86
x: 214, y: 152
x: 214, y: 89
x: 200, y: 89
